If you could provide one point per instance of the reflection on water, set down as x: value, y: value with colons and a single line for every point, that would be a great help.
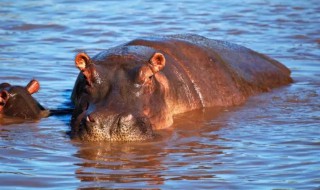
x: 111, y: 164
x: 270, y: 142
x: 152, y: 163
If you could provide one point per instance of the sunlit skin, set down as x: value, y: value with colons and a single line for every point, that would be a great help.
x: 124, y: 93
x: 17, y: 101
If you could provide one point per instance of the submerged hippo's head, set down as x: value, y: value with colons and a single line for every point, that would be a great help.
x: 119, y: 98
x: 16, y: 101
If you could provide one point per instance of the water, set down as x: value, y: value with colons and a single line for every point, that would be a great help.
x: 271, y: 142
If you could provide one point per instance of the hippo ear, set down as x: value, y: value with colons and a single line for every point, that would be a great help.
x: 4, y: 96
x: 82, y: 60
x: 157, y: 62
x: 33, y: 86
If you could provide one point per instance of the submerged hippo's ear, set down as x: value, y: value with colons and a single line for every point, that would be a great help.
x: 82, y: 60
x: 4, y: 96
x: 33, y: 86
x: 157, y: 62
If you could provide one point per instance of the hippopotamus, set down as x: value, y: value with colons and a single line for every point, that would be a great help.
x: 127, y: 92
x: 17, y: 102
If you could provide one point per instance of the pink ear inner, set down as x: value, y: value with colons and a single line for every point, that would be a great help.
x: 33, y: 86
x: 82, y: 60
x: 157, y: 62
x: 4, y: 96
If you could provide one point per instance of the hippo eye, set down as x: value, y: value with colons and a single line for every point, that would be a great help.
x: 150, y: 77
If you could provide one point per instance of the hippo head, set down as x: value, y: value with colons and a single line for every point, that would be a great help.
x: 119, y: 99
x: 16, y: 101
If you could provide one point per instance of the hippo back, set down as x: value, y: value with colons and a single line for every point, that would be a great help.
x: 203, y: 72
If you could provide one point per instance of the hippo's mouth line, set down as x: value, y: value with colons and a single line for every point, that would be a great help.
x: 82, y: 117
x: 84, y: 124
x: 81, y: 126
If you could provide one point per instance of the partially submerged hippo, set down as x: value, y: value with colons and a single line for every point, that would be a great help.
x: 126, y: 92
x: 17, y: 102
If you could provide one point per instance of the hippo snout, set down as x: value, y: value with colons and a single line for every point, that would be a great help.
x: 102, y: 126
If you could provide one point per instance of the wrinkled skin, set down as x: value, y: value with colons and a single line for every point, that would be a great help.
x: 17, y: 102
x: 126, y: 92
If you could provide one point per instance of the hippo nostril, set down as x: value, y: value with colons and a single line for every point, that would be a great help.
x: 90, y: 119
x: 126, y: 119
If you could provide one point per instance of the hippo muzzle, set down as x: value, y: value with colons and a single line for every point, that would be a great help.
x: 104, y: 125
